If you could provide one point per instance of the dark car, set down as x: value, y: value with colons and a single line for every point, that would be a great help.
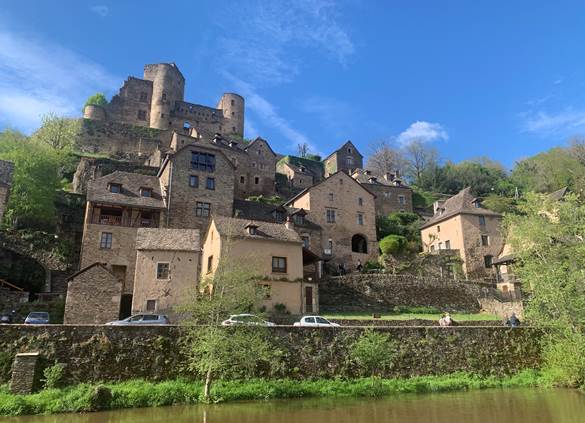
x: 5, y: 318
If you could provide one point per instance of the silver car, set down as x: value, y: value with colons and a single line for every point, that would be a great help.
x: 142, y: 319
x: 37, y: 318
x: 246, y: 319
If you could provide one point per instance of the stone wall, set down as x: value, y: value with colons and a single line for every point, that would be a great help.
x: 383, y: 292
x: 109, y: 353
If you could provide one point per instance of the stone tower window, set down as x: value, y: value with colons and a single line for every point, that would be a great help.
x: 256, y: 180
x: 242, y: 179
x: 232, y: 102
x: 141, y: 115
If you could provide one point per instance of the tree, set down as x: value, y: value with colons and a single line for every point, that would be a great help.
x: 418, y: 157
x: 392, y: 244
x: 384, y: 158
x: 548, y: 238
x: 59, y: 133
x: 98, y: 99
x: 214, y: 351
x: 373, y: 353
x: 303, y: 149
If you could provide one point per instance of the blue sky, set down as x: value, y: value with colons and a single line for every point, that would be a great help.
x: 473, y: 78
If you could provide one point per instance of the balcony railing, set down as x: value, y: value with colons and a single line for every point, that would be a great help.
x: 105, y: 219
x: 136, y: 222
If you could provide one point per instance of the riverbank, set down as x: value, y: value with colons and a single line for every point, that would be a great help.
x: 138, y: 393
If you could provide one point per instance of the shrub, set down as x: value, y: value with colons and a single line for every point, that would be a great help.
x: 100, y: 398
x: 392, y: 244
x: 280, y: 308
x: 373, y: 353
x: 53, y: 376
x: 5, y: 366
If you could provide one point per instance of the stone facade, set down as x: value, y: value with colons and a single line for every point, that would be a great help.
x: 157, y: 101
x: 93, y: 296
x: 167, y: 268
x: 460, y: 223
x: 392, y: 195
x: 345, y: 211
x: 255, y: 244
x: 345, y: 159
x: 25, y: 373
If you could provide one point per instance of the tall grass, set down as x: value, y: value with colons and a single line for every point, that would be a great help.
x: 139, y: 393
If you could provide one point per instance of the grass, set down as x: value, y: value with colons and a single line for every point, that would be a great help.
x: 139, y: 393
x: 458, y: 317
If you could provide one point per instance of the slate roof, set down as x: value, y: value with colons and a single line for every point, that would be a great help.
x: 461, y: 203
x: 297, y: 169
x: 348, y: 142
x: 363, y: 177
x: 98, y: 190
x: 254, y: 210
x: 168, y: 239
x: 231, y: 226
x: 86, y: 268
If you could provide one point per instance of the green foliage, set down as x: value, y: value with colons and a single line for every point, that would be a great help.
x: 423, y: 199
x: 53, y: 376
x: 393, y: 244
x: 548, y: 238
x: 275, y: 199
x: 500, y: 204
x: 280, y: 309
x: 405, y: 224
x: 549, y: 171
x: 56, y: 132
x: 373, y: 353
x: 98, y: 99
x: 313, y: 157
x: 139, y: 393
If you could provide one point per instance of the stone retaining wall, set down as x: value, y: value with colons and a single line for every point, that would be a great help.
x: 110, y: 353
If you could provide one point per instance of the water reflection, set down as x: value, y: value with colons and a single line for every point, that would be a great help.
x: 513, y: 406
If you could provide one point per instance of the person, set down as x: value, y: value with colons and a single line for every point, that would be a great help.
x: 359, y: 266
x: 341, y: 269
x: 446, y: 320
x: 513, y: 321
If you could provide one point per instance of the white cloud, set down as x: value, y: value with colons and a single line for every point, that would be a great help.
x: 268, y: 113
x: 263, y: 37
x: 38, y: 77
x: 100, y: 9
x: 559, y: 123
x: 423, y: 131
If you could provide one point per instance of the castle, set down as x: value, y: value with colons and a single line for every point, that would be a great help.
x: 175, y: 169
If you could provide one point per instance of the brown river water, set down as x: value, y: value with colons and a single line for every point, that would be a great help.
x: 493, y: 406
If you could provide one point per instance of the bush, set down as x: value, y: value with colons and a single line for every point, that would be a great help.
x: 53, y: 376
x: 373, y: 353
x: 5, y: 366
x: 392, y: 244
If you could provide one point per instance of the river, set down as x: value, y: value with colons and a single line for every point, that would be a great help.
x: 492, y: 406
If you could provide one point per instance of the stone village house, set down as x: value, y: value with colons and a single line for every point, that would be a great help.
x: 461, y: 224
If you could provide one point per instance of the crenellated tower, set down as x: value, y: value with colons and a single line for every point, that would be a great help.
x: 232, y: 106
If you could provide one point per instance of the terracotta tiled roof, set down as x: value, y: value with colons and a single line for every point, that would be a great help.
x: 230, y: 226
x: 98, y: 190
x: 168, y: 239
x: 461, y: 203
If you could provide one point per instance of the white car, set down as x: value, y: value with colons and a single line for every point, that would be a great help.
x: 142, y: 319
x: 246, y: 319
x: 316, y: 322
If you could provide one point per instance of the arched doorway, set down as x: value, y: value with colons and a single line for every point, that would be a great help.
x: 359, y: 244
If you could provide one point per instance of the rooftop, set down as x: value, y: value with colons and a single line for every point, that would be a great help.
x: 231, y: 226
x: 99, y: 190
x: 168, y: 239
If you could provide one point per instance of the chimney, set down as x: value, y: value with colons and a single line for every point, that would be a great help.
x: 216, y: 138
x: 389, y: 176
x: 233, y: 143
x: 372, y: 180
x: 289, y: 224
x: 397, y: 173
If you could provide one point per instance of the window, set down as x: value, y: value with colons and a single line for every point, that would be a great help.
x: 242, y: 179
x: 106, y: 240
x: 209, y: 263
x: 210, y: 183
x: 143, y: 96
x: 331, y: 196
x: 440, y: 245
x: 360, y: 219
x: 306, y: 240
x: 202, y: 209
x: 194, y: 181
x: 145, y: 219
x: 299, y: 219
x: 141, y: 115
x: 485, y: 240
x: 447, y: 245
x: 401, y: 199
x: 146, y: 192
x: 360, y: 201
x: 330, y: 216
x: 386, y: 195
x: 232, y: 102
x: 330, y: 245
x: 162, y: 270
x: 203, y: 161
x: 164, y: 96
x: 150, y: 305
x: 349, y: 161
x: 115, y: 188
x: 432, y: 248
x: 349, y: 150
x: 481, y: 220
x: 438, y: 228
x: 279, y: 264
x: 487, y: 261
x: 256, y: 180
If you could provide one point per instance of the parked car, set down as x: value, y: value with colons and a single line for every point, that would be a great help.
x: 37, y: 318
x: 316, y: 322
x: 246, y: 319
x: 5, y: 318
x: 142, y: 319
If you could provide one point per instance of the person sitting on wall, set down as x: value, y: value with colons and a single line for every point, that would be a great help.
x: 359, y: 266
x: 512, y: 321
x: 446, y: 320
x: 341, y: 269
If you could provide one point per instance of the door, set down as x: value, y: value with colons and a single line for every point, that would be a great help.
x: 308, y: 299
x: 125, y: 306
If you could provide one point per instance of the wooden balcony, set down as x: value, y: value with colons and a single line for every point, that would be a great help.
x: 132, y: 218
